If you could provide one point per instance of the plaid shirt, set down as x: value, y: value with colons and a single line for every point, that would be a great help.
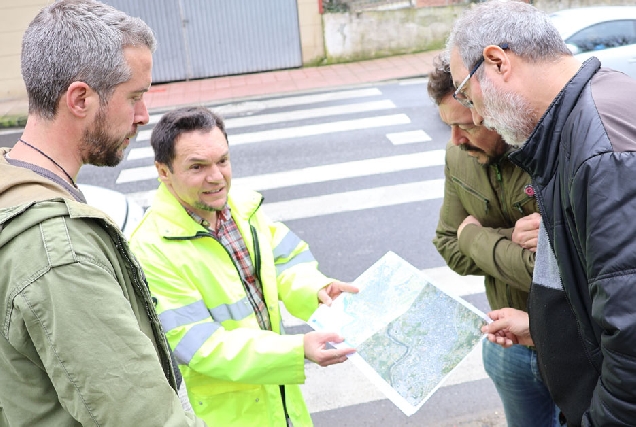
x: 228, y: 235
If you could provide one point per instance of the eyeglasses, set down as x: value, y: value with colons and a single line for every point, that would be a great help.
x: 459, y: 94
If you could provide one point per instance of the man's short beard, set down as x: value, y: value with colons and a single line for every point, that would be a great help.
x: 98, y: 147
x: 507, y: 113
x: 207, y: 208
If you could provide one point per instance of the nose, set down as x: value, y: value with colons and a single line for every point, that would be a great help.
x: 141, y: 113
x: 214, y: 174
x: 477, y: 118
x: 457, y: 136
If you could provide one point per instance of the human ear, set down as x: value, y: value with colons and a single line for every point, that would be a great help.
x: 80, y: 99
x: 163, y: 172
x: 497, y: 58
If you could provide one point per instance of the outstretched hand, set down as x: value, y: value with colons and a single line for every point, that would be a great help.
x: 316, y: 348
x: 327, y: 294
x: 510, y: 326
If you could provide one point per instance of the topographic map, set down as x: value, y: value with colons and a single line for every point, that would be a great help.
x: 409, y: 334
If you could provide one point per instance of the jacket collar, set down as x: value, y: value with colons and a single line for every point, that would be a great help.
x: 538, y: 156
x: 174, y: 222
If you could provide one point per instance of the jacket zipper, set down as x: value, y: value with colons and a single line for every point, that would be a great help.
x: 473, y: 192
x: 505, y: 212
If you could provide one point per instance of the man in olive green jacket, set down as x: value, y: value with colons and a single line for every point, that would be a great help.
x: 81, y: 343
x: 488, y: 226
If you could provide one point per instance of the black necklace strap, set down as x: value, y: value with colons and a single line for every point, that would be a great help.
x: 49, y: 157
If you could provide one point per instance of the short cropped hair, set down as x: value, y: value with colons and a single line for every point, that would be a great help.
x: 440, y: 82
x: 78, y: 40
x: 177, y: 122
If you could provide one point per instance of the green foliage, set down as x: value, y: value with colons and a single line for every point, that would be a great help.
x: 12, y: 121
x: 334, y: 6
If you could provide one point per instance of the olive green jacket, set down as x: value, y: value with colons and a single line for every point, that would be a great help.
x: 80, y: 342
x: 497, y: 196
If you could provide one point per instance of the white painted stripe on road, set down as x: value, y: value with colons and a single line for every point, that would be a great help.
x: 338, y: 202
x: 355, y: 200
x: 250, y: 106
x: 136, y: 174
x: 143, y: 135
x: 408, y: 137
x: 342, y: 170
x: 319, y: 129
x: 263, y: 119
x: 314, y: 174
x: 140, y: 153
x: 287, y: 116
x: 290, y: 132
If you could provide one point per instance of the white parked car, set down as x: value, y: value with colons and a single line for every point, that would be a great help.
x: 607, y: 32
x: 124, y: 211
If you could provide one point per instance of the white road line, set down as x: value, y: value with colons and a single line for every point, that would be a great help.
x: 308, y: 130
x: 319, y: 129
x: 408, y: 137
x: 343, y: 170
x: 251, y: 106
x: 288, y: 116
x: 355, y: 200
x: 136, y: 174
x: 314, y: 174
x: 140, y: 153
x: 339, y: 202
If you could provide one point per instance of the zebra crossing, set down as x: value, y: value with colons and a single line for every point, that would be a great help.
x: 355, y: 152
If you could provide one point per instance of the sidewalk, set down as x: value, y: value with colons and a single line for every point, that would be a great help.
x: 215, y: 90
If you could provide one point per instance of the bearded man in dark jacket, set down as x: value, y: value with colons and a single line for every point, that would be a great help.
x: 575, y: 125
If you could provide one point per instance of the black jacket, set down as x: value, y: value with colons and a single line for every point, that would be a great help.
x: 582, y: 160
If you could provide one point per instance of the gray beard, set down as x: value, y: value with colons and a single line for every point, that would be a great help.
x: 507, y: 113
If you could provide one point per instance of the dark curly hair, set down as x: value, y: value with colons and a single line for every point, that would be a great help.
x: 440, y: 83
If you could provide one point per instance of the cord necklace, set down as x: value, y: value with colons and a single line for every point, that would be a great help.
x: 49, y: 157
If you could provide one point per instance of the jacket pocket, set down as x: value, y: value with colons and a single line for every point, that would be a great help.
x: 231, y: 404
x: 472, y: 199
x: 526, y: 205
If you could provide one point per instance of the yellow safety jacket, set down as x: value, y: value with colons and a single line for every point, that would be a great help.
x: 233, y: 369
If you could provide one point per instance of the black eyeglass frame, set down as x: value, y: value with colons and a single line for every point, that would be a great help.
x: 458, y: 94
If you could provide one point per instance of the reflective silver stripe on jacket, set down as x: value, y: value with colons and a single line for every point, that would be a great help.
x: 197, y: 312
x: 193, y: 340
x: 303, y: 257
x: 286, y: 246
x: 236, y: 311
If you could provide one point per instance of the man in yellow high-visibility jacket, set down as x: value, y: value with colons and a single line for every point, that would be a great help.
x: 218, y: 268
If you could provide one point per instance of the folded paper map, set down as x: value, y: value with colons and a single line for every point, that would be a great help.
x: 408, y: 333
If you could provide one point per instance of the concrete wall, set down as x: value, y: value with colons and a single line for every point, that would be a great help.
x: 366, y: 35
x: 14, y: 19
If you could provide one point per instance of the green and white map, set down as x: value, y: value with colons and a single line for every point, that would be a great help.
x: 409, y: 334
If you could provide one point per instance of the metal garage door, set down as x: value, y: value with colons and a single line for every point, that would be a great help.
x: 207, y: 38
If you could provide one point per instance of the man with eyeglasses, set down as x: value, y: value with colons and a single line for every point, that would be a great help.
x: 488, y: 226
x: 574, y: 124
